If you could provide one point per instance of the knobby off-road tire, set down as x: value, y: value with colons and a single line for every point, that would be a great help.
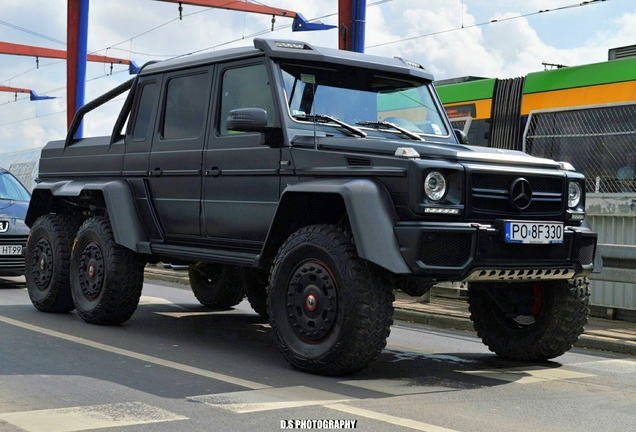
x: 560, y: 313
x: 330, y: 310
x: 47, y: 257
x: 255, y: 282
x: 106, y: 278
x: 216, y: 285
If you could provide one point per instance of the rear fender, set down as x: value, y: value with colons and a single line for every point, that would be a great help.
x: 118, y: 198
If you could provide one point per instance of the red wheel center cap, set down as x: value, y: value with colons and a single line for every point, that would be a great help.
x: 311, y: 303
x: 91, y: 271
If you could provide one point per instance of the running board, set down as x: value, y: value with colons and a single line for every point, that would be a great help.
x: 519, y: 274
x: 188, y: 253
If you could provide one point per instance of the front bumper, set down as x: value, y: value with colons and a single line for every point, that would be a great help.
x: 477, y: 252
x: 12, y: 265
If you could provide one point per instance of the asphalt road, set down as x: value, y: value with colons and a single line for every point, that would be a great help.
x: 178, y: 366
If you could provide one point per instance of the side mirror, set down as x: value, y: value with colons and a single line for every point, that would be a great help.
x: 461, y: 136
x: 248, y: 120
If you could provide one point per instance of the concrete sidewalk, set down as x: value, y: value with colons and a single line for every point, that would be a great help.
x: 600, y: 334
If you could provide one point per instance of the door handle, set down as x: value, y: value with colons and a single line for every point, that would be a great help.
x: 213, y: 172
x: 156, y: 172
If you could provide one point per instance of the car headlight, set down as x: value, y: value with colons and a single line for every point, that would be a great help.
x: 435, y: 186
x: 574, y: 194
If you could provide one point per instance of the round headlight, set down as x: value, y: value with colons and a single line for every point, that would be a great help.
x: 574, y: 194
x: 435, y: 186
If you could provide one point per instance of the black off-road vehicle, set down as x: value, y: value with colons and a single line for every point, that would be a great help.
x: 317, y: 181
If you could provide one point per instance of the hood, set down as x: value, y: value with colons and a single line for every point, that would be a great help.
x: 426, y: 149
x: 14, y: 212
x: 10, y: 209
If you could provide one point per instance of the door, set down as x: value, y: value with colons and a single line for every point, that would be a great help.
x: 176, y: 160
x: 241, y: 181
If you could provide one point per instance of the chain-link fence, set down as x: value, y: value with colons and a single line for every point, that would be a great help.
x: 599, y: 141
x: 461, y: 123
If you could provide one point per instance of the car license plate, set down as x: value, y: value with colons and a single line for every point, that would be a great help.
x: 534, y: 232
x: 10, y: 250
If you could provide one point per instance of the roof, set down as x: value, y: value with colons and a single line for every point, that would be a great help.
x: 293, y: 50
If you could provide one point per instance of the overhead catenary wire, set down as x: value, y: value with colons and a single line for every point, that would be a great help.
x: 463, y: 27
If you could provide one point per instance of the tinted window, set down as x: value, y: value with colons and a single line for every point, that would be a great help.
x: 185, y: 107
x: 356, y: 95
x: 11, y: 189
x: 146, y: 106
x: 246, y: 87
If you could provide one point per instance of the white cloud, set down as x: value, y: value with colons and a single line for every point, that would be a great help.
x: 145, y: 30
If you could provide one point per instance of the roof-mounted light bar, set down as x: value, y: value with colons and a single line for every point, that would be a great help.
x: 410, y: 63
x: 290, y: 45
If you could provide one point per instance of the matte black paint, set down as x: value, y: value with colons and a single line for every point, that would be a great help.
x: 234, y: 198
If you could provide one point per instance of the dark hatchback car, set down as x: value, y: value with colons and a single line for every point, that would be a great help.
x: 14, y: 201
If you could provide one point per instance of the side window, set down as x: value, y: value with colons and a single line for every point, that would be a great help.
x: 185, y: 107
x: 147, y: 104
x: 245, y: 87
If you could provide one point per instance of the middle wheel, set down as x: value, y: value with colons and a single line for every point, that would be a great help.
x: 106, y: 278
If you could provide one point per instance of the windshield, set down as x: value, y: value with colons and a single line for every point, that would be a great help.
x: 361, y: 96
x: 11, y: 189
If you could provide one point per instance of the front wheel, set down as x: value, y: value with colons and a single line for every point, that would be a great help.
x: 531, y: 320
x: 106, y: 278
x: 330, y: 310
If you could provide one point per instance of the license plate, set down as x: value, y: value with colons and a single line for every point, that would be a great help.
x: 534, y: 232
x: 10, y: 250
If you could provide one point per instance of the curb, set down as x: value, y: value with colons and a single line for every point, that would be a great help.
x: 606, y: 344
x: 441, y: 321
x: 598, y: 343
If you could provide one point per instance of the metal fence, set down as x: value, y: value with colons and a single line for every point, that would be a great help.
x: 600, y: 141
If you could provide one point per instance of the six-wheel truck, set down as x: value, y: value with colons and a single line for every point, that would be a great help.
x: 317, y: 182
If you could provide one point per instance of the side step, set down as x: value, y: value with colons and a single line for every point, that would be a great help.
x: 205, y: 254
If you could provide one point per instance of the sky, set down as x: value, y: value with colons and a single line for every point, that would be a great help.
x: 450, y: 38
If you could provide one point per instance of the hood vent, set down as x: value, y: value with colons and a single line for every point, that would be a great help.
x: 358, y: 162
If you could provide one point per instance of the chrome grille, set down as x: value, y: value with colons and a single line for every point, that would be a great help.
x: 490, y: 195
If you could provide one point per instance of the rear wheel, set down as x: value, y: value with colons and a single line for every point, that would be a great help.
x: 216, y: 285
x: 106, y: 278
x: 529, y: 321
x: 330, y: 310
x: 47, y: 258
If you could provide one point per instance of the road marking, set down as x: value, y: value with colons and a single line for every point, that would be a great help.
x: 528, y: 375
x: 143, y: 357
x: 410, y: 355
x: 612, y: 365
x: 270, y: 399
x: 185, y: 314
x: 147, y: 300
x: 412, y: 424
x: 89, y: 417
x: 396, y: 387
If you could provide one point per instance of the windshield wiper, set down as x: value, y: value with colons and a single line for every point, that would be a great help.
x: 387, y: 125
x: 315, y: 117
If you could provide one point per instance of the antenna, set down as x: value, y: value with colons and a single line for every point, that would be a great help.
x: 313, y: 112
